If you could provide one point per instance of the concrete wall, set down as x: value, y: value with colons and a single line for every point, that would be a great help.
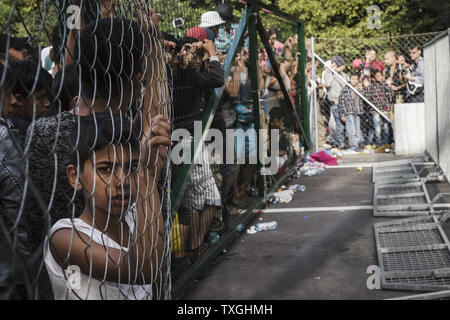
x: 437, y: 100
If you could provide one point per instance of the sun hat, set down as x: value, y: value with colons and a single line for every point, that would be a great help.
x: 211, y: 19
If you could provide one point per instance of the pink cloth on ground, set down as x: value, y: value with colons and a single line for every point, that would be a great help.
x: 324, y: 157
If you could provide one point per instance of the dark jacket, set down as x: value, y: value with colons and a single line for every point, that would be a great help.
x: 12, y: 219
x: 191, y: 92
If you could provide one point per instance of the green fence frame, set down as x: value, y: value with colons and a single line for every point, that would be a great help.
x: 251, y: 21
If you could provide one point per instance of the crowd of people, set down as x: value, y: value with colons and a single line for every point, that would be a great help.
x: 361, y: 107
x: 215, y: 191
x: 85, y: 131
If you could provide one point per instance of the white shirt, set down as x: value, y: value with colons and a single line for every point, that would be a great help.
x: 90, y: 288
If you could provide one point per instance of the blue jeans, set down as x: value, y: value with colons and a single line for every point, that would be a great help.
x: 353, y: 128
x: 381, y: 129
x: 337, y: 137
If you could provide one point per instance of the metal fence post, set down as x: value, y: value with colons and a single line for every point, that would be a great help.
x: 254, y: 77
x: 303, y: 88
x: 314, y: 97
x: 286, y: 91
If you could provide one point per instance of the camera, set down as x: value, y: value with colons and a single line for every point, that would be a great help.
x: 178, y: 23
x: 411, y: 68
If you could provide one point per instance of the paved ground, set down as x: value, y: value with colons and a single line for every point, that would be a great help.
x: 312, y: 255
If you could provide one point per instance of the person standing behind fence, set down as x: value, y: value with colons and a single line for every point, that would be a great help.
x: 19, y: 48
x: 226, y: 33
x: 334, y: 87
x: 277, y: 46
x: 415, y: 76
x: 239, y: 88
x: 99, y: 52
x: 393, y: 76
x: 371, y: 59
x: 13, y: 236
x: 350, y: 108
x: 112, y: 240
x: 195, y: 78
x: 382, y: 97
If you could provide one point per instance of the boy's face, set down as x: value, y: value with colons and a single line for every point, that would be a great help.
x: 354, y: 81
x: 371, y: 55
x: 113, y: 174
x: 20, y: 54
x: 25, y: 107
x: 389, y: 59
x: 278, y: 123
x: 379, y: 77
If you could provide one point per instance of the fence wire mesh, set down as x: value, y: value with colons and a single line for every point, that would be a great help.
x: 229, y: 188
x: 92, y: 92
x: 386, y: 71
x: 85, y: 130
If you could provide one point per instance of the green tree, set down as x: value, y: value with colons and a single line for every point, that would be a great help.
x: 342, y: 18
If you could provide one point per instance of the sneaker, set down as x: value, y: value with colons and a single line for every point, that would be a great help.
x: 326, y: 146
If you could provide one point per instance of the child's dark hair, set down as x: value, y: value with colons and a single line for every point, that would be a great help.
x: 29, y: 72
x: 8, y: 83
x: 96, y: 132
x: 109, y: 51
x: 373, y: 72
x: 276, y: 113
x: 355, y: 74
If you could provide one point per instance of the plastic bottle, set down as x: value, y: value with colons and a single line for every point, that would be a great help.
x: 313, y: 172
x: 301, y: 188
x: 263, y: 226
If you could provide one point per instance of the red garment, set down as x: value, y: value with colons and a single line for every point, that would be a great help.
x: 197, y: 33
x: 378, y: 65
x: 324, y: 157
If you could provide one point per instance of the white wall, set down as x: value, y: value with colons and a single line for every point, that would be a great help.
x: 437, y: 101
x: 409, y: 129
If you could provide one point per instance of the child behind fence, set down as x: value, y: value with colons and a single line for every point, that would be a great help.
x: 113, y: 242
x: 350, y: 108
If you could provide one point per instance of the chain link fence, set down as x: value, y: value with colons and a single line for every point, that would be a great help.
x: 85, y: 208
x: 224, y: 185
x: 385, y: 71
x: 104, y: 190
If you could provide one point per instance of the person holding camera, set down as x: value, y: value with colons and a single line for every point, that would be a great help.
x: 393, y: 76
x: 415, y: 76
x: 198, y: 72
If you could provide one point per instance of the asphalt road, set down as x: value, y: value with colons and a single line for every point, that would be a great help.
x: 311, y: 255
